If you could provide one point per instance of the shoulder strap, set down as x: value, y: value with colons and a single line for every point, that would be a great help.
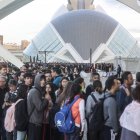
x: 75, y: 99
x: 109, y: 97
x: 107, y: 116
x: 93, y: 97
x: 18, y: 101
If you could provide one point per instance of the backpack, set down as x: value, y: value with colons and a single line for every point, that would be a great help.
x: 64, y: 120
x: 9, y: 122
x: 21, y: 116
x: 97, y: 120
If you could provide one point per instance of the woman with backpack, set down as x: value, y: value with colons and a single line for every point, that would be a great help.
x: 64, y: 95
x: 97, y: 94
x: 57, y: 106
x: 78, y: 113
x: 10, y: 98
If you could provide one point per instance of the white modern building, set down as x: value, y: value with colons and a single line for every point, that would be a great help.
x: 72, y: 33
x: 71, y: 36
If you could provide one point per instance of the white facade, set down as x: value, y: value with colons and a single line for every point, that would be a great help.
x: 119, y: 48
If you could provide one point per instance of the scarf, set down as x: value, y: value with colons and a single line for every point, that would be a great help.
x: 130, y: 119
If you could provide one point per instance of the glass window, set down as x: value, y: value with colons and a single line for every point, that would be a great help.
x: 122, y: 43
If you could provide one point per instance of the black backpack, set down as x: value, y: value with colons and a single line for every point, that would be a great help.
x: 97, y: 120
x: 21, y: 116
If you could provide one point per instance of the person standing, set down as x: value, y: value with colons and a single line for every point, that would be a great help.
x: 78, y: 113
x: 94, y: 76
x: 3, y: 91
x: 97, y: 93
x: 56, y: 75
x: 36, y: 105
x: 10, y: 98
x: 3, y: 72
x: 129, y: 120
x: 124, y: 96
x: 119, y: 71
x: 111, y: 125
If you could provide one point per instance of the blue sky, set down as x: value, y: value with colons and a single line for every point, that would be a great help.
x: 26, y: 22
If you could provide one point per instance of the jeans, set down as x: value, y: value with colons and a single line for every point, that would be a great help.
x: 21, y: 135
x: 34, y: 132
x: 11, y: 135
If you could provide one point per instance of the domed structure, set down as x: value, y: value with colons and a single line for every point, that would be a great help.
x: 84, y: 30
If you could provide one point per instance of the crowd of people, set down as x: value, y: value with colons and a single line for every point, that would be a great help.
x: 30, y: 98
x: 104, y: 66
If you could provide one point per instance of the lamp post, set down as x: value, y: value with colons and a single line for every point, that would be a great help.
x: 90, y: 56
x: 45, y: 52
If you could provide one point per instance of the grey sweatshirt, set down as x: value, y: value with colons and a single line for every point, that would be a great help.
x: 35, y: 102
x: 110, y: 110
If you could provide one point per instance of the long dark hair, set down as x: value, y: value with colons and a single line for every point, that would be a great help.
x: 22, y: 92
x: 75, y: 90
x: 60, y: 86
x: 63, y: 78
x: 52, y: 94
x: 65, y: 94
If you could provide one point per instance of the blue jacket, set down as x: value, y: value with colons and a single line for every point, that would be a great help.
x: 57, y: 80
x: 122, y: 99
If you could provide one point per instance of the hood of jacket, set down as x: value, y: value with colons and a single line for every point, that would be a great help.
x: 37, y: 81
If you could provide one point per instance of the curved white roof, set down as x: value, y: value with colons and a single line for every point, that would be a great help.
x: 9, y: 6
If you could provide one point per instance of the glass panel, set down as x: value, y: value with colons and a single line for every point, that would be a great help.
x: 47, y: 40
x: 122, y: 43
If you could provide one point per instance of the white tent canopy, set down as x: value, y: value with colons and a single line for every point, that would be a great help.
x: 6, y: 55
